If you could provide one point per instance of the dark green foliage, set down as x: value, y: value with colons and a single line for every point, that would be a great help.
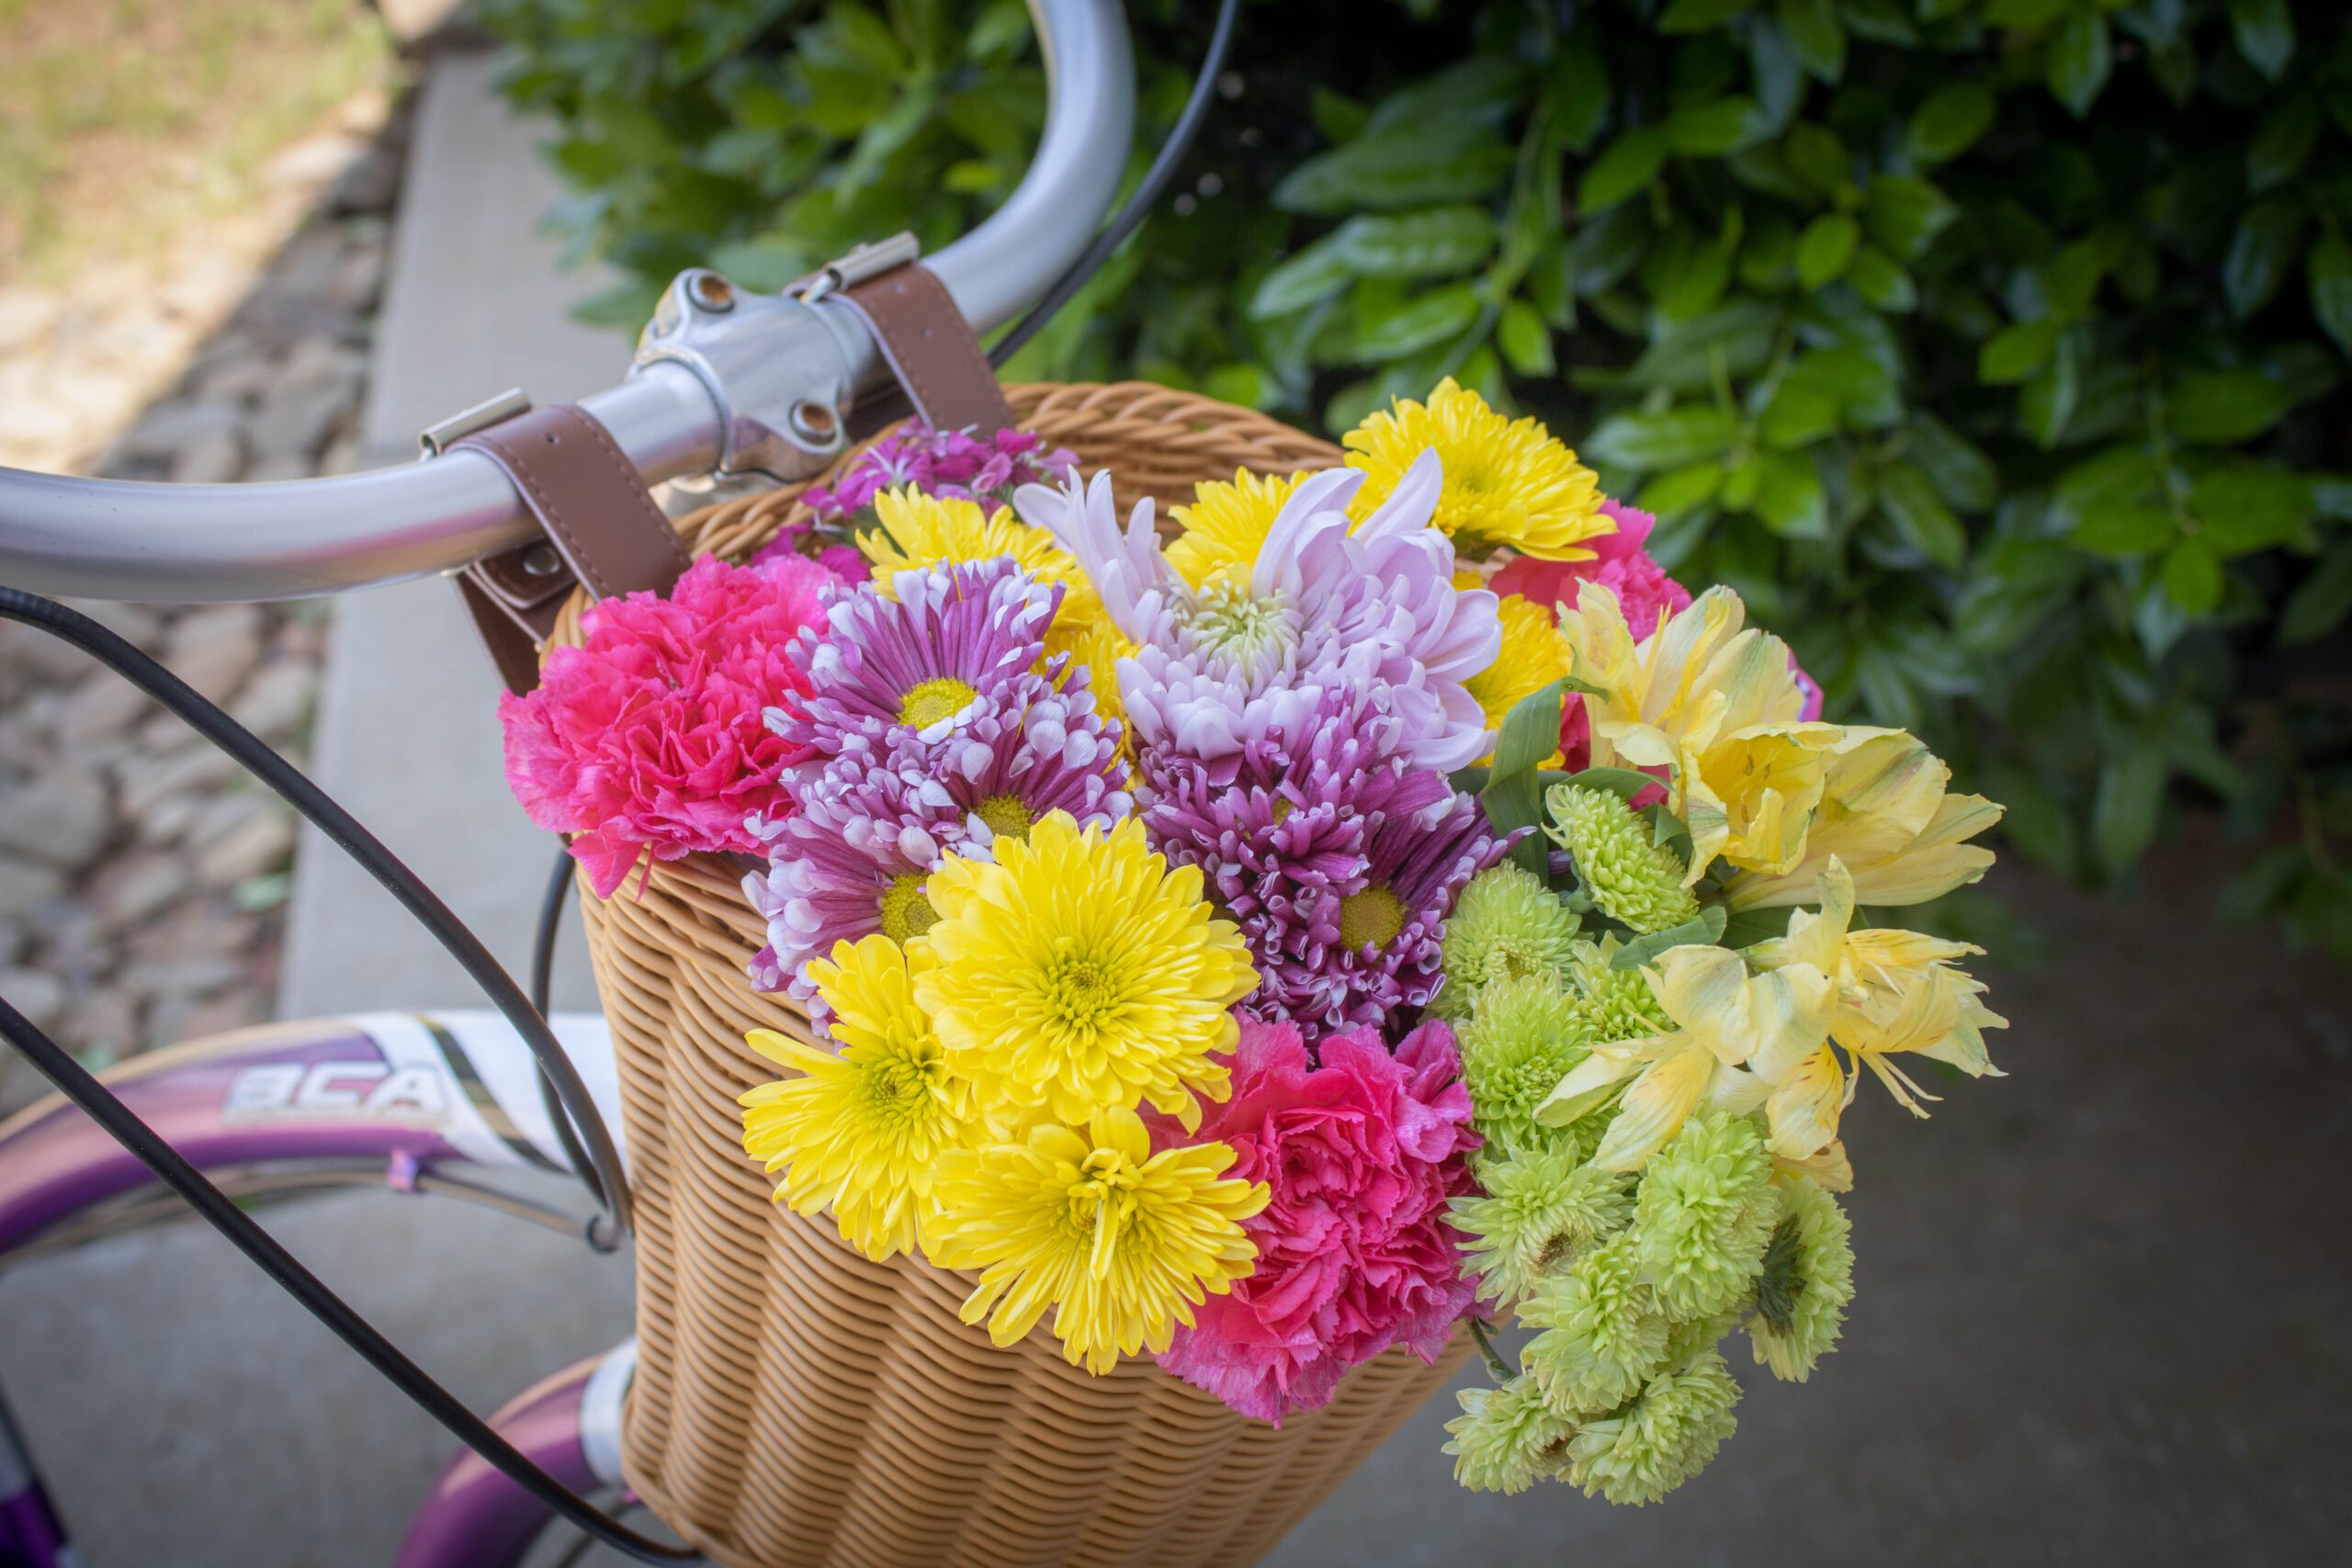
x: 1992, y: 349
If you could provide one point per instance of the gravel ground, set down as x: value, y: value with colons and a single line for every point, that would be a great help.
x: 142, y: 877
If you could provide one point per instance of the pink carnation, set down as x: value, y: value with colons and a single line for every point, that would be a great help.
x: 651, y: 735
x: 1362, y: 1153
x: 1620, y: 564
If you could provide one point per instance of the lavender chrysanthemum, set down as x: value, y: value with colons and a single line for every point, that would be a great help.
x: 1037, y: 748
x: 1326, y: 602
x: 926, y: 659
x: 1338, y: 860
x: 849, y: 862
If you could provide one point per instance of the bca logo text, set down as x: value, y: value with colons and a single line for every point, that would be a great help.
x: 329, y: 1088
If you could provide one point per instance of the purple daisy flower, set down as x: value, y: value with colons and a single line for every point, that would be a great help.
x: 953, y: 637
x: 1338, y: 860
x: 849, y: 861
x: 1039, y: 747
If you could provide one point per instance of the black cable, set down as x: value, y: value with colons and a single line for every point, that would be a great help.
x: 606, y: 1230
x: 542, y: 984
x: 79, y: 1085
x: 1155, y: 180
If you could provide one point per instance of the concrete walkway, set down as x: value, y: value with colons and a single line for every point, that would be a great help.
x: 408, y: 736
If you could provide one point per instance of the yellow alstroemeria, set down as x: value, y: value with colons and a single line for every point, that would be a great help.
x: 1885, y: 814
x: 1723, y: 1016
x: 1716, y: 702
x: 1896, y: 992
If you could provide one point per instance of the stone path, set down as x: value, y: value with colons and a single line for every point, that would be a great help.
x: 142, y: 877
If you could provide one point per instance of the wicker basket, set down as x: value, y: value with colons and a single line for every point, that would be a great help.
x: 796, y: 1404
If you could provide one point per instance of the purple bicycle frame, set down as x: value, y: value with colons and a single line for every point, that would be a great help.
x: 403, y: 1092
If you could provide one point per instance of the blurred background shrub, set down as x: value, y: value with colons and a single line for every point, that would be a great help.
x: 1993, y: 349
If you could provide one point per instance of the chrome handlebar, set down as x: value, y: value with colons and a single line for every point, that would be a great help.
x: 718, y: 378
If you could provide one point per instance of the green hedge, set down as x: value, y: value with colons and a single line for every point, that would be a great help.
x: 1993, y: 351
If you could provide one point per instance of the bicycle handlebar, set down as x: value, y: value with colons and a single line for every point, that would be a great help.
x: 674, y: 416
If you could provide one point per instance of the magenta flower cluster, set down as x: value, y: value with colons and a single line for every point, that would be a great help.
x: 1362, y: 1153
x: 651, y: 737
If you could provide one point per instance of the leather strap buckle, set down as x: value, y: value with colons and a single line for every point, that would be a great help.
x: 603, y: 529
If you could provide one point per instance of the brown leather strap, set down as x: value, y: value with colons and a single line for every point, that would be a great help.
x: 931, y: 349
x: 603, y: 532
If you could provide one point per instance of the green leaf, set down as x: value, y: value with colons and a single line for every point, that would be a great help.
x: 2261, y: 254
x: 1818, y: 36
x: 2125, y: 810
x: 1883, y: 284
x: 1513, y: 797
x: 1412, y: 165
x: 2016, y: 352
x: 1429, y: 318
x: 1800, y: 413
x: 1824, y: 249
x: 1919, y: 515
x: 2329, y: 271
x: 2080, y: 60
x: 2121, y: 529
x: 1789, y: 496
x: 2320, y: 605
x: 1525, y: 340
x: 1671, y: 494
x: 2222, y: 408
x: 1624, y: 166
x: 1712, y: 128
x: 1578, y: 91
x: 1961, y: 474
x: 1951, y: 121
x: 1440, y: 243
x: 1698, y: 16
x: 1691, y: 433
x: 1310, y: 275
x: 1904, y: 214
x: 2284, y: 143
x: 1698, y: 932
x: 2246, y: 507
x: 1337, y: 116
x: 1746, y: 928
x: 2046, y: 404
x: 1817, y: 157
x: 2264, y: 31
x: 2193, y: 576
x: 1687, y: 355
x: 1623, y: 782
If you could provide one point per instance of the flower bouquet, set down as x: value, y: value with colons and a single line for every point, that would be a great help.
x: 1375, y: 910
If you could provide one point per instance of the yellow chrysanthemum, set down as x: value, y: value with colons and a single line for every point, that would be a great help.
x: 1226, y: 526
x: 1120, y: 1242
x: 1507, y: 481
x: 920, y: 530
x: 861, y: 1130
x: 1095, y: 647
x: 1076, y: 972
x: 1530, y: 660
x: 1717, y: 703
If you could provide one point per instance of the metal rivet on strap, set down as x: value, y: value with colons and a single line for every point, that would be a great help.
x: 541, y: 560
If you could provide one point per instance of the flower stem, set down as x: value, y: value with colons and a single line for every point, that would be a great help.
x: 1483, y: 1332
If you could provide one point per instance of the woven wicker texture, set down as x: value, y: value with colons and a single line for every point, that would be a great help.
x: 797, y: 1405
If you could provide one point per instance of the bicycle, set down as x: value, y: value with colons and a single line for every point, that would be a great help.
x: 725, y: 384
